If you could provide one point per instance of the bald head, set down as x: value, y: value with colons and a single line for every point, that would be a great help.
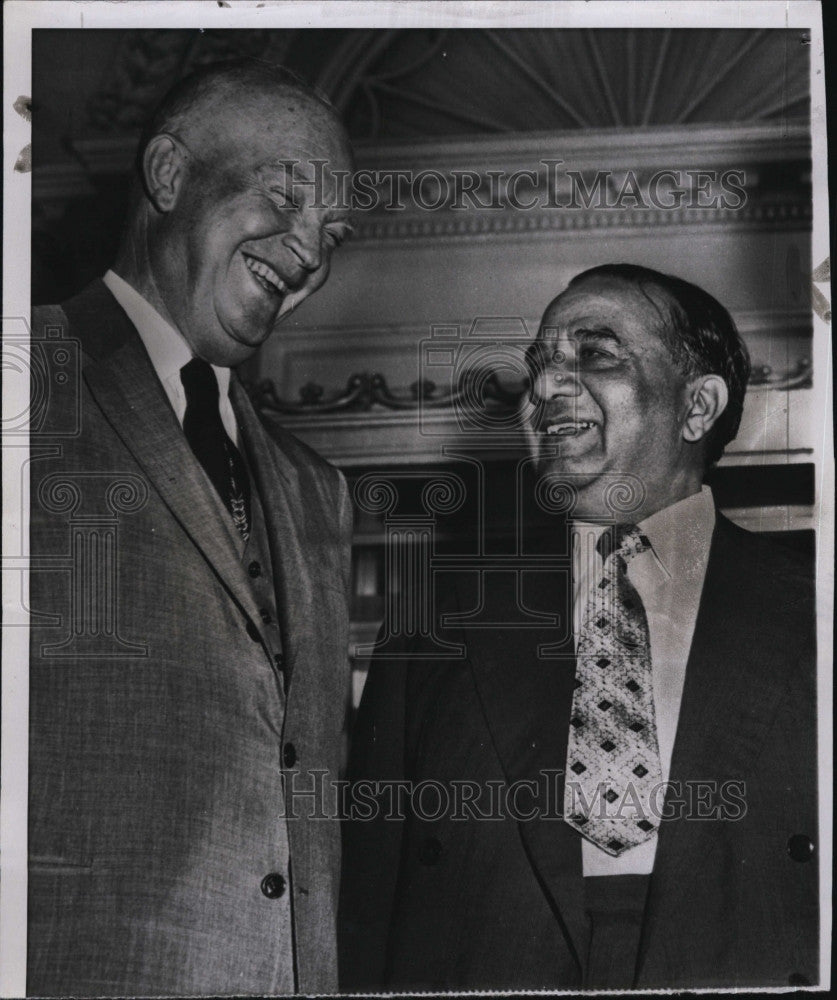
x: 240, y: 207
x: 200, y: 104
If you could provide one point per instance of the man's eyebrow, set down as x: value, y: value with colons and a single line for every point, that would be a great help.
x: 593, y: 332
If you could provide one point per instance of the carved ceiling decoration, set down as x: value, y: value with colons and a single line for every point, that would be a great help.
x: 447, y: 82
x: 422, y: 83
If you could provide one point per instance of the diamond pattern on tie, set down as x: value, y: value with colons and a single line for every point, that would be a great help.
x: 612, y: 748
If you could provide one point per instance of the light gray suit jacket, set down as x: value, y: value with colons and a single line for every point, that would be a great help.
x: 159, y: 727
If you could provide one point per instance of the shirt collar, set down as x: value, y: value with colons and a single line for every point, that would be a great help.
x: 677, y: 533
x: 680, y: 531
x: 165, y: 344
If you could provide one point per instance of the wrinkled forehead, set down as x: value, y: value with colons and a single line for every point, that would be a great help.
x: 609, y: 300
x: 248, y: 127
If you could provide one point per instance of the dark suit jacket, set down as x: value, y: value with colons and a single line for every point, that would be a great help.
x: 464, y: 903
x: 156, y: 746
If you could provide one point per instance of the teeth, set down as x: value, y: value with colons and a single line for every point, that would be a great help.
x: 270, y: 279
x: 567, y: 429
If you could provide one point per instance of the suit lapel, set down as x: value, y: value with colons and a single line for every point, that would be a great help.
x: 526, y: 698
x: 301, y: 562
x: 731, y: 693
x: 123, y: 382
x: 729, y: 698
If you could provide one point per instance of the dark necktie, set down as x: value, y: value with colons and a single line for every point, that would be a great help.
x: 211, y: 444
x: 613, y: 759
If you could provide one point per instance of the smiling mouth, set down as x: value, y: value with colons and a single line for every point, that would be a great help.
x: 568, y: 428
x: 265, y: 276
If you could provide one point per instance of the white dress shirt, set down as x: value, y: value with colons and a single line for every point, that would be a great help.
x: 169, y: 351
x: 669, y: 579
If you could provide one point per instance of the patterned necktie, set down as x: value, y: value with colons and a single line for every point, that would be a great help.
x: 613, y: 759
x: 211, y: 444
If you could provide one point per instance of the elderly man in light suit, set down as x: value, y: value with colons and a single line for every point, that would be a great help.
x: 195, y: 655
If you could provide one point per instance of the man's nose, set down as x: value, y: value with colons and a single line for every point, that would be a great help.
x: 304, y: 242
x: 559, y: 376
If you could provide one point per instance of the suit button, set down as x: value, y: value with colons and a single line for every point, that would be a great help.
x: 279, y: 660
x: 800, y: 847
x: 254, y: 569
x: 273, y: 885
x: 431, y: 851
x: 265, y: 616
x: 252, y: 631
x: 289, y: 755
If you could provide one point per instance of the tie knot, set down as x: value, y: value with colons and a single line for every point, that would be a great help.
x: 625, y: 540
x: 200, y: 383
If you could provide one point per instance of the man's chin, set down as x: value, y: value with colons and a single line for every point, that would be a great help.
x: 578, y: 489
x: 244, y: 335
x: 230, y: 349
x: 575, y: 468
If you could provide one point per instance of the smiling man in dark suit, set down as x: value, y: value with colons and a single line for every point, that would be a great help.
x: 196, y: 653
x: 641, y: 784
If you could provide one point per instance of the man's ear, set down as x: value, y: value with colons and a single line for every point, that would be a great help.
x: 709, y: 398
x: 163, y: 171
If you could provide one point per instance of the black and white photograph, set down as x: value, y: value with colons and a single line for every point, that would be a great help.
x: 418, y: 499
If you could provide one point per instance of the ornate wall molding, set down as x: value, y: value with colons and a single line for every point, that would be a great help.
x: 455, y: 226
x: 749, y: 175
x: 367, y: 391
